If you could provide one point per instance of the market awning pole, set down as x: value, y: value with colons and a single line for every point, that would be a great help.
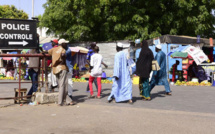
x: 43, y: 71
x: 19, y: 77
x: 32, y: 8
x: 46, y: 74
x: 167, y: 61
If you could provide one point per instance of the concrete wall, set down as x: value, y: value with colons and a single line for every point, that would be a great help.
x: 108, y: 51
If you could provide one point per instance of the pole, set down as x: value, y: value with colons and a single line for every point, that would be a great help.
x: 46, y: 75
x: 19, y: 78
x: 167, y: 44
x: 32, y: 8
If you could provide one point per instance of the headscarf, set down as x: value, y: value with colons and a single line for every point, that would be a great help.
x: 144, y: 62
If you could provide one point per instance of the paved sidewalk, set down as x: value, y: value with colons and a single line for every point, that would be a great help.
x: 190, y: 110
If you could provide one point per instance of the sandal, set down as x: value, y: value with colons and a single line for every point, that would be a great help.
x: 91, y: 97
x: 98, y: 97
x: 109, y: 101
x: 146, y: 99
x: 72, y: 103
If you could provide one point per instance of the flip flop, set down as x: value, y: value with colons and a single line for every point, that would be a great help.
x: 168, y: 94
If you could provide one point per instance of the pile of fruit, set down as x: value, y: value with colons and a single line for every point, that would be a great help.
x: 107, y: 81
x: 190, y: 83
x: 78, y: 80
x: 6, y: 78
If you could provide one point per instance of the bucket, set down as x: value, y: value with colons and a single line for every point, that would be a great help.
x: 213, y: 83
x: 136, y: 80
x: 103, y: 74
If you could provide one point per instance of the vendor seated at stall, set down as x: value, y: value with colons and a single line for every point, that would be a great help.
x: 197, y: 71
x: 9, y: 69
x: 175, y: 71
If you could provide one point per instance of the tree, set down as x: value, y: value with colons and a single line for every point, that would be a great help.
x: 11, y: 12
x: 108, y: 20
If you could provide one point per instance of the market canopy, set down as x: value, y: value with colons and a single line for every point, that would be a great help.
x: 9, y: 58
x: 184, y: 51
x: 179, y: 55
x: 183, y: 40
x: 79, y: 49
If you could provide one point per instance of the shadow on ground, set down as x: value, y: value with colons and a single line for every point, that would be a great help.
x: 80, y: 98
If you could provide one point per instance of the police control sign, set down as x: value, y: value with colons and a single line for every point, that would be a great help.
x: 18, y: 34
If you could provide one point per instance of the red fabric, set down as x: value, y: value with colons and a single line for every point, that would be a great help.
x: 56, y: 41
x: 173, y: 72
x: 49, y: 62
x: 91, y: 79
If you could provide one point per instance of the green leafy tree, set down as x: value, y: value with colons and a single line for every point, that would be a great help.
x: 108, y: 20
x: 11, y: 12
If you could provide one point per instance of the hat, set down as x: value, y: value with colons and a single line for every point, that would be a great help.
x: 61, y: 41
x: 158, y: 46
x: 93, y: 44
x: 119, y: 44
x: 55, y: 41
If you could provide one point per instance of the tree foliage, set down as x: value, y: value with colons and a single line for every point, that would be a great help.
x: 108, y: 20
x: 40, y: 23
x: 11, y: 12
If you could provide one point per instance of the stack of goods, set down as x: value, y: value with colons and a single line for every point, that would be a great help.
x: 186, y: 62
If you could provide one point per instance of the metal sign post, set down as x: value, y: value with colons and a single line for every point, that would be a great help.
x: 18, y: 34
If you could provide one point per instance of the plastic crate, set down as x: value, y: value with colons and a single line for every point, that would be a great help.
x: 191, y: 62
x: 185, y: 61
x: 184, y: 72
x: 185, y: 66
x: 185, y: 76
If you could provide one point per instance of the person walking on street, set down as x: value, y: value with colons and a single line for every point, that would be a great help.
x: 122, y: 84
x: 60, y: 70
x: 160, y: 77
x: 89, y: 54
x: 96, y: 71
x: 33, y: 71
x: 143, y: 70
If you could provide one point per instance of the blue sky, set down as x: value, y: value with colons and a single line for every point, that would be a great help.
x: 26, y: 6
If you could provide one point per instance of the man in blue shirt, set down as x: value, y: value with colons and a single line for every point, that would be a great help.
x: 69, y: 74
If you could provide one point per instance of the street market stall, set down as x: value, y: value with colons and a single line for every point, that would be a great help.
x: 192, y: 57
x: 170, y: 43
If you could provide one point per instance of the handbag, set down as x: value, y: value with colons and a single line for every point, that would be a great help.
x: 132, y: 66
x: 155, y: 66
